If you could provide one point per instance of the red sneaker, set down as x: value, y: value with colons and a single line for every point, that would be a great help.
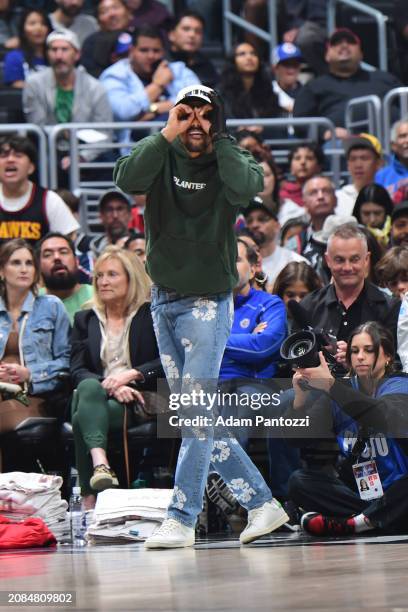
x: 319, y: 525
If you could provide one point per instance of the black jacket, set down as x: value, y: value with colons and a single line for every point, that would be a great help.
x: 86, y: 347
x: 325, y: 311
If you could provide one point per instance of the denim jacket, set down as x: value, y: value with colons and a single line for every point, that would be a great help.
x: 45, y: 342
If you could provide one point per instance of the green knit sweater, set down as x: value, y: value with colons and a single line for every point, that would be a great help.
x: 190, y: 211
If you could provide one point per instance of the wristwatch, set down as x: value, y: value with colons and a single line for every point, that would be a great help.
x: 153, y: 108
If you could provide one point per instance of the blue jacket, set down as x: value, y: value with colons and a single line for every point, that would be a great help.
x: 45, y: 342
x: 251, y: 355
x: 391, y: 460
x: 392, y: 176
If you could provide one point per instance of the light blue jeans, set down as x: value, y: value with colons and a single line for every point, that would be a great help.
x: 192, y: 332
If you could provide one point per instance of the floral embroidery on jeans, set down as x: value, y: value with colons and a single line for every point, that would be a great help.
x: 241, y: 490
x: 169, y: 366
x: 188, y: 345
x: 204, y: 309
x: 223, y: 454
x: 179, y: 497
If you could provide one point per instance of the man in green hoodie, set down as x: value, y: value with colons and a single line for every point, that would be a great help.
x: 196, y: 178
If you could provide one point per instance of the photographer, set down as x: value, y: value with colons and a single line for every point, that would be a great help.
x: 368, y: 418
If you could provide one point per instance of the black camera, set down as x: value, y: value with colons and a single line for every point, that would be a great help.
x: 302, y: 348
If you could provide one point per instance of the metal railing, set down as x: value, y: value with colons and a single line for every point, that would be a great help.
x: 379, y: 17
x: 31, y: 128
x: 399, y: 94
x: 270, y: 36
x: 76, y: 182
x: 371, y: 109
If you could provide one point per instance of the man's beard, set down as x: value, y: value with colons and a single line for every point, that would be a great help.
x: 70, y: 11
x: 199, y: 147
x: 61, y: 281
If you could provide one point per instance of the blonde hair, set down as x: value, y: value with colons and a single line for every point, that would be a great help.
x: 139, y: 282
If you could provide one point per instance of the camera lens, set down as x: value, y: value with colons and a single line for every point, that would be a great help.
x: 300, y: 348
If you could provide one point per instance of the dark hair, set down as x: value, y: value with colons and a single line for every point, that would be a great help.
x: 148, y: 31
x: 259, y: 101
x: 25, y: 45
x: 260, y: 158
x: 133, y: 236
x: 188, y: 13
x: 293, y: 222
x: 251, y: 255
x: 314, y: 148
x: 391, y: 265
x: 6, y: 251
x: 373, y: 193
x: 71, y: 200
x: 20, y: 144
x: 54, y: 235
x: 376, y: 252
x: 244, y: 231
x: 293, y: 272
x: 380, y: 337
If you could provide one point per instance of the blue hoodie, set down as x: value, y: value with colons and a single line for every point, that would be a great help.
x: 251, y: 355
x: 392, y: 176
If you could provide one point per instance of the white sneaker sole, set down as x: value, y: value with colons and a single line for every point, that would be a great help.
x: 283, y: 518
x: 157, y: 544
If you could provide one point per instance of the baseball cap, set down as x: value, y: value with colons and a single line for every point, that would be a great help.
x: 67, y: 35
x: 363, y: 140
x: 109, y: 196
x: 286, y: 51
x: 123, y: 43
x: 343, y: 34
x: 200, y: 92
x: 257, y: 203
x: 400, y: 210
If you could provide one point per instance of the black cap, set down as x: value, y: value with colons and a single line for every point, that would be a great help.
x: 113, y: 195
x: 343, y: 34
x: 400, y: 210
x: 258, y: 204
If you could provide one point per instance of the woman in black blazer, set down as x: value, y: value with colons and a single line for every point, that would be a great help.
x: 113, y: 345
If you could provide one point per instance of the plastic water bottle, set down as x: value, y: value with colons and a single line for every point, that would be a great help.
x: 77, y: 517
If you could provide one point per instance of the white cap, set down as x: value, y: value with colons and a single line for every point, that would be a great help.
x: 67, y: 35
x: 195, y: 91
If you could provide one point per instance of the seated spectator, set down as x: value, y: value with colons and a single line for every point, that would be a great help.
x: 392, y: 271
x: 253, y: 142
x: 34, y: 342
x: 260, y: 278
x: 264, y: 225
x: 294, y: 282
x: 364, y: 158
x: 246, y: 87
x: 114, y: 211
x: 327, y: 95
x: 399, y: 225
x: 305, y: 26
x: 270, y: 193
x: 305, y: 161
x: 186, y: 40
x: 64, y: 93
x: 150, y: 13
x: 113, y: 344
x: 59, y: 272
x: 27, y: 210
x: 31, y: 55
x: 69, y: 16
x: 373, y: 208
x: 286, y: 68
x: 9, y: 19
x: 144, y: 86
x: 394, y: 175
x: 137, y: 244
x: 350, y: 299
x: 112, y: 42
x: 374, y: 401
x: 293, y: 234
x: 259, y: 325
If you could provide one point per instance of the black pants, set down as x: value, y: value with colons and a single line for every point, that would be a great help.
x: 317, y: 491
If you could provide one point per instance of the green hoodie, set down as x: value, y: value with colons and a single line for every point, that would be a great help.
x: 191, y: 208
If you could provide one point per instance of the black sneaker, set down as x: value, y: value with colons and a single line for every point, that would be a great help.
x: 318, y: 525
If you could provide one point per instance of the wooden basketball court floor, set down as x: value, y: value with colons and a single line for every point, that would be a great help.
x: 280, y: 572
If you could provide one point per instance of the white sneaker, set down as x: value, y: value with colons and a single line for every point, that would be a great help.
x: 171, y: 534
x: 263, y: 520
